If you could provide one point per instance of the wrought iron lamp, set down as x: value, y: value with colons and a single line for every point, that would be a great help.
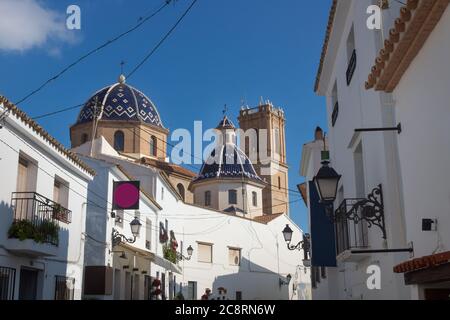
x: 118, y: 238
x: 326, y: 182
x: 189, y: 250
x: 304, y: 245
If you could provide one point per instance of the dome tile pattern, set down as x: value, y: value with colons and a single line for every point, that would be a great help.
x: 121, y: 102
x: 232, y: 163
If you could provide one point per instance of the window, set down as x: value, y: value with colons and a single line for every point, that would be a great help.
x: 84, y: 138
x: 119, y: 141
x: 277, y: 146
x: 323, y: 272
x: 207, y: 198
x: 255, y: 199
x: 192, y: 290
x: 279, y: 183
x: 334, y: 105
x: 181, y: 191
x: 162, y: 193
x: 64, y: 288
x: 153, y: 146
x: 7, y: 283
x: 232, y: 196
x: 61, y: 197
x: 238, y: 295
x: 61, y: 192
x: 148, y: 234
x: 351, y: 56
x: 204, y: 252
x: 234, y: 256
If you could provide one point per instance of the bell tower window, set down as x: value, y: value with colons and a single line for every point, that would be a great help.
x: 153, y: 146
x: 84, y: 138
x: 119, y: 141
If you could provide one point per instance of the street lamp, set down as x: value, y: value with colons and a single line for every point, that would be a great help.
x: 304, y: 245
x: 189, y: 250
x: 117, y: 237
x: 326, y: 182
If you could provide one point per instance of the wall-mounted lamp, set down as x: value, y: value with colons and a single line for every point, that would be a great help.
x: 189, y: 250
x: 118, y: 238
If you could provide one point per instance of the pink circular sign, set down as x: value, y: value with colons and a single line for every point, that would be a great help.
x: 126, y: 195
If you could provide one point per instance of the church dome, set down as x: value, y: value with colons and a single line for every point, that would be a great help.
x: 232, y: 162
x: 121, y: 102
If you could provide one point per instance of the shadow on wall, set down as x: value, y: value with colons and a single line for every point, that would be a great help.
x: 250, y: 282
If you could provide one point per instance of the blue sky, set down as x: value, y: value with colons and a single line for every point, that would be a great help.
x: 223, y: 52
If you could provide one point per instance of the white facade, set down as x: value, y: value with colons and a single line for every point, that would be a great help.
x: 39, y: 182
x: 422, y: 106
x: 410, y: 166
x: 217, y: 239
x: 364, y: 160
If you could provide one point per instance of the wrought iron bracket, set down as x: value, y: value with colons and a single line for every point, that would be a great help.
x: 370, y: 210
x: 118, y: 238
x: 181, y: 256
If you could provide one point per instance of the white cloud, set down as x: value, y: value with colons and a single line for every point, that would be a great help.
x: 25, y: 24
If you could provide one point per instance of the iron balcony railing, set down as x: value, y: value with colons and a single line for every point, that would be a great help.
x: 36, y: 217
x: 351, y: 229
x: 351, y: 68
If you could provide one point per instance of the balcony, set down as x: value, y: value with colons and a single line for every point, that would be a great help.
x: 35, y: 228
x: 351, y: 68
x: 351, y: 234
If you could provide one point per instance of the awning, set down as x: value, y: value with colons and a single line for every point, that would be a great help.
x: 166, y: 264
x: 148, y: 255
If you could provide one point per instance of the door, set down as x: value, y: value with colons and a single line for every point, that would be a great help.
x: 437, y: 294
x: 128, y: 286
x: 117, y: 284
x: 28, y: 284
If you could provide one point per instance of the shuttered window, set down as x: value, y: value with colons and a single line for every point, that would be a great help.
x: 204, y: 252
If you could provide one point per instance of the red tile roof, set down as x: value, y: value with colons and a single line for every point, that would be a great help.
x: 426, y: 262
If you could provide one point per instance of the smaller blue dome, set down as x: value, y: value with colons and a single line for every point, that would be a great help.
x: 231, y: 163
x: 121, y: 102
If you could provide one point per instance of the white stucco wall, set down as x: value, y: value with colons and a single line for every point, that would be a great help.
x: 360, y: 108
x: 265, y: 257
x: 422, y: 106
x: 69, y: 257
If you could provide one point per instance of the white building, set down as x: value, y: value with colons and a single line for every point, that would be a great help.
x: 247, y: 257
x: 236, y: 246
x: 417, y: 73
x: 404, y: 61
x: 43, y: 200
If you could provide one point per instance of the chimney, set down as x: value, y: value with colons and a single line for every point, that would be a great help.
x: 318, y: 134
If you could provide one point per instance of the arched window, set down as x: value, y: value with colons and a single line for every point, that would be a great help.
x: 207, y: 198
x: 180, y: 188
x: 255, y: 199
x: 84, y: 138
x: 279, y: 183
x: 119, y: 141
x: 153, y: 146
x: 232, y: 196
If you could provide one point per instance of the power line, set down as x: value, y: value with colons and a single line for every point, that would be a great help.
x: 140, y: 64
x: 141, y: 20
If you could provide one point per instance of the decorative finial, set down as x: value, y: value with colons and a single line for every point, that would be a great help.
x: 225, y: 110
x: 122, y: 77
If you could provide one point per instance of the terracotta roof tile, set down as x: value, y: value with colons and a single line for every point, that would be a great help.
x: 22, y: 116
x: 325, y: 43
x: 267, y: 218
x: 168, y: 167
x: 412, y: 28
x: 426, y: 262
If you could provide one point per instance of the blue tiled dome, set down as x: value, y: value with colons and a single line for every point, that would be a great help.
x: 232, y: 163
x: 121, y: 102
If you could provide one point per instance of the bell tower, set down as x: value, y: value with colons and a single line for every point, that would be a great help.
x: 268, y: 152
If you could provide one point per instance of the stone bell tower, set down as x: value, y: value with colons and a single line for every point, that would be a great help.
x: 268, y: 122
